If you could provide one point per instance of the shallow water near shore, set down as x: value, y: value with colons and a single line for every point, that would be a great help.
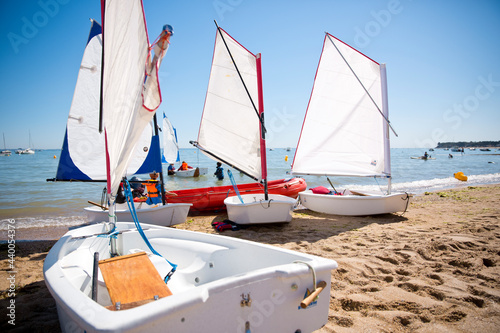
x: 31, y: 201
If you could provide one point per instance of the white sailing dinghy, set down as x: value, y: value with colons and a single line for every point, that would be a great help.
x: 171, y: 151
x: 83, y: 156
x: 216, y: 283
x: 346, y: 132
x: 232, y: 129
x: 170, y: 144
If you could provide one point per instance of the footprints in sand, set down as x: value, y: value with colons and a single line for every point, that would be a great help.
x: 432, y: 276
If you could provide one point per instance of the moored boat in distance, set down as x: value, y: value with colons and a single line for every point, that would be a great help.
x: 422, y: 158
x: 5, y: 151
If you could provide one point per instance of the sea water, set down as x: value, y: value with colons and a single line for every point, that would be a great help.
x: 28, y: 198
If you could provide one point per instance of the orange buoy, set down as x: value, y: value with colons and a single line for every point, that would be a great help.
x: 460, y: 176
x: 55, y: 156
x: 286, y: 158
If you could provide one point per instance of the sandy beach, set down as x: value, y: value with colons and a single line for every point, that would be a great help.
x: 433, y: 269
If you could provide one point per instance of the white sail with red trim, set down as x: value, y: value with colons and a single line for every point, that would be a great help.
x: 344, y: 132
x: 130, y: 89
x: 230, y: 125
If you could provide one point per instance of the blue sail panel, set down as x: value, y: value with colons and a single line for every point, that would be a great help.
x: 95, y: 30
x: 67, y: 170
x: 153, y: 160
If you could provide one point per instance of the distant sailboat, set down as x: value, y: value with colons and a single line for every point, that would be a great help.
x: 5, y: 152
x: 170, y: 144
x: 171, y: 152
x: 27, y: 151
x: 346, y: 132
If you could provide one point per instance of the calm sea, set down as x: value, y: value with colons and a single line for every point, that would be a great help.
x: 28, y: 198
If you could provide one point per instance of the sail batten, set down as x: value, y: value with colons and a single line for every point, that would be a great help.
x: 344, y: 131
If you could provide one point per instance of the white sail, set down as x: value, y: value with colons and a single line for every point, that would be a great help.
x: 230, y: 127
x: 170, y: 145
x: 129, y: 97
x: 344, y: 132
x: 83, y: 153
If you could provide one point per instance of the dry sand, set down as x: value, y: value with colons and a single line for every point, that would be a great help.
x: 434, y: 269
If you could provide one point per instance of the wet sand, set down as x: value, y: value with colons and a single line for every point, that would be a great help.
x: 435, y: 268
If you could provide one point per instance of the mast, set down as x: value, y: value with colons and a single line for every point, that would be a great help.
x: 162, y: 183
x: 263, y: 159
x: 387, y: 139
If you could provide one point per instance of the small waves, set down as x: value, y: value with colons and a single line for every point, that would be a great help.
x: 45, y: 222
x: 435, y: 184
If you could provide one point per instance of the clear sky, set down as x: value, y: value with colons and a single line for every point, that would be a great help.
x: 442, y: 56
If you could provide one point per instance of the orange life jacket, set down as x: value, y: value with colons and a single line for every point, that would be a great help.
x: 151, y: 188
x: 184, y: 166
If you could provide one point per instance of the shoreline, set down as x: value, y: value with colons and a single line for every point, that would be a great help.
x: 56, y: 232
x: 435, y: 268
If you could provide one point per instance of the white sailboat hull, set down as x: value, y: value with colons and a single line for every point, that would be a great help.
x: 191, y: 172
x: 26, y: 151
x: 214, y: 275
x: 167, y: 215
x: 355, y: 205
x: 255, y: 209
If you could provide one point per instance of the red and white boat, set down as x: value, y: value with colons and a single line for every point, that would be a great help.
x: 211, y: 199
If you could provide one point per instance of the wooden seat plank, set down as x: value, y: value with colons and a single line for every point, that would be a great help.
x: 132, y: 278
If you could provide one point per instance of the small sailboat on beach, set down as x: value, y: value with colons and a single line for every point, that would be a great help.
x: 346, y: 133
x: 83, y: 155
x: 112, y: 276
x: 232, y: 130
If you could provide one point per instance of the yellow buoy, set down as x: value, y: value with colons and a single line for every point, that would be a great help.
x: 460, y: 176
x: 286, y: 158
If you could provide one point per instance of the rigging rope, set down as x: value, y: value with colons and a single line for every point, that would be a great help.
x: 234, y: 185
x: 131, y: 206
x: 379, y: 187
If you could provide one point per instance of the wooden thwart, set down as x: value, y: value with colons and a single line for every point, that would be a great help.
x: 98, y: 205
x: 132, y: 280
x: 359, y: 193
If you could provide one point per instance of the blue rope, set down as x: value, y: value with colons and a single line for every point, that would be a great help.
x: 234, y: 185
x: 131, y: 207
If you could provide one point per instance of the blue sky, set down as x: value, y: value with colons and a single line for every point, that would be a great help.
x: 442, y: 61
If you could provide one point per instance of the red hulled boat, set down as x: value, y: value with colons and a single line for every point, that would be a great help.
x: 211, y: 199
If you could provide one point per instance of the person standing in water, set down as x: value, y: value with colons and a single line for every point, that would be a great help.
x: 219, y: 171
